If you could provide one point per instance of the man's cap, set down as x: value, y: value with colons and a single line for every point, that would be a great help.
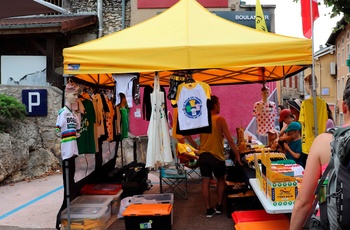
x: 295, y: 104
x: 294, y: 125
x: 284, y: 113
x: 71, y: 87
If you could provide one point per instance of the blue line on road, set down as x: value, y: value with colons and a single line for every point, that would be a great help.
x: 30, y: 202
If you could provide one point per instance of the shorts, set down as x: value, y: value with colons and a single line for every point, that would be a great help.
x: 208, y: 164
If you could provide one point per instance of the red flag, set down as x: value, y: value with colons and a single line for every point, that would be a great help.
x: 307, y: 18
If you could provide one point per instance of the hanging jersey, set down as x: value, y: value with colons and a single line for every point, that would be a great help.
x: 192, y: 105
x: 124, y: 112
x: 306, y: 118
x: 86, y: 141
x: 265, y: 113
x: 67, y: 124
x: 124, y: 84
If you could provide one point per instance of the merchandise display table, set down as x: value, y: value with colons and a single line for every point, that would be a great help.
x: 268, y: 206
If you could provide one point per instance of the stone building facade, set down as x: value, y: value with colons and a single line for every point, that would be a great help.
x: 30, y: 148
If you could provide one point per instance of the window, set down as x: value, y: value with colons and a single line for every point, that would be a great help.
x: 342, y: 41
x: 343, y: 57
x: 338, y: 60
x: 347, y: 35
x: 338, y: 87
x: 347, y: 49
x: 342, y: 84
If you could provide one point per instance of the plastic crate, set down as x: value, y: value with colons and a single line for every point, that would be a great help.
x: 95, y: 201
x: 163, y: 198
x: 100, y: 189
x: 148, y: 216
x: 87, y: 218
x: 115, y: 204
x: 272, y: 224
x: 256, y: 215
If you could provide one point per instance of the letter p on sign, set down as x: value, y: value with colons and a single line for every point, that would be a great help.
x: 35, y: 101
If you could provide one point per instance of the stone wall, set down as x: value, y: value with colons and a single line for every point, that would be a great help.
x: 112, y: 13
x: 31, y: 148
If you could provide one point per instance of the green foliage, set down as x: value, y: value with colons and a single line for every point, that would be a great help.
x: 10, y: 110
x: 339, y: 7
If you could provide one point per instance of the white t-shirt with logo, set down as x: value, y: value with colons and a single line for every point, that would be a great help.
x: 192, y: 105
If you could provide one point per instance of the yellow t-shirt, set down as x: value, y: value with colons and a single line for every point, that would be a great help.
x: 213, y: 142
x: 306, y: 118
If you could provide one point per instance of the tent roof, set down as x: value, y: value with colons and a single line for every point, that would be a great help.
x: 189, y: 37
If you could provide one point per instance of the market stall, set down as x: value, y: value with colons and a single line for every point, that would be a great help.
x: 189, y: 40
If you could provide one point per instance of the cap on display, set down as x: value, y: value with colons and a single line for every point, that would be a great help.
x: 295, y: 104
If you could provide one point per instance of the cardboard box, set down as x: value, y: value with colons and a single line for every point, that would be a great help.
x: 283, y: 193
x: 279, y: 188
x: 148, y: 216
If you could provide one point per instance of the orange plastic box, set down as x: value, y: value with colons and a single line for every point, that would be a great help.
x: 148, y: 216
x: 100, y: 189
x: 271, y: 224
x: 164, y: 198
x: 256, y: 215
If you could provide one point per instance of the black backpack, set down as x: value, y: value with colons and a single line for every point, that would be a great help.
x: 333, y: 190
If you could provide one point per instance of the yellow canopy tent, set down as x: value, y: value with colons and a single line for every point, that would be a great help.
x: 189, y: 37
x: 105, y: 80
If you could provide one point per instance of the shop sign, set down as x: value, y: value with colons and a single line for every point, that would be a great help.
x: 36, y: 101
x: 246, y: 18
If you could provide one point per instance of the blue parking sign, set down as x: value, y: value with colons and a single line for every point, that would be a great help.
x: 35, y: 101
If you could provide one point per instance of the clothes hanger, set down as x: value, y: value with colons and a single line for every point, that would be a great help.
x: 189, y: 78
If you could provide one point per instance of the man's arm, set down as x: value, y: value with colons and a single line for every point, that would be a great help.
x: 223, y: 125
x: 192, y: 142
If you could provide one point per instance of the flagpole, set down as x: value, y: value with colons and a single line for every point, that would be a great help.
x: 313, y: 70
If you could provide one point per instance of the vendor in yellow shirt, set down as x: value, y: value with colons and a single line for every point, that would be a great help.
x: 186, y: 152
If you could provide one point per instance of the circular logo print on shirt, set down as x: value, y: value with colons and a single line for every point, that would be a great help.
x: 192, y: 107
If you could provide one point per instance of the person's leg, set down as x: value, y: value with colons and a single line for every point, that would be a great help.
x: 206, y: 172
x: 221, y: 189
x: 206, y: 191
x: 219, y: 173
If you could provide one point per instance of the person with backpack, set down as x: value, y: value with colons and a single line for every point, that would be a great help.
x: 320, y: 155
